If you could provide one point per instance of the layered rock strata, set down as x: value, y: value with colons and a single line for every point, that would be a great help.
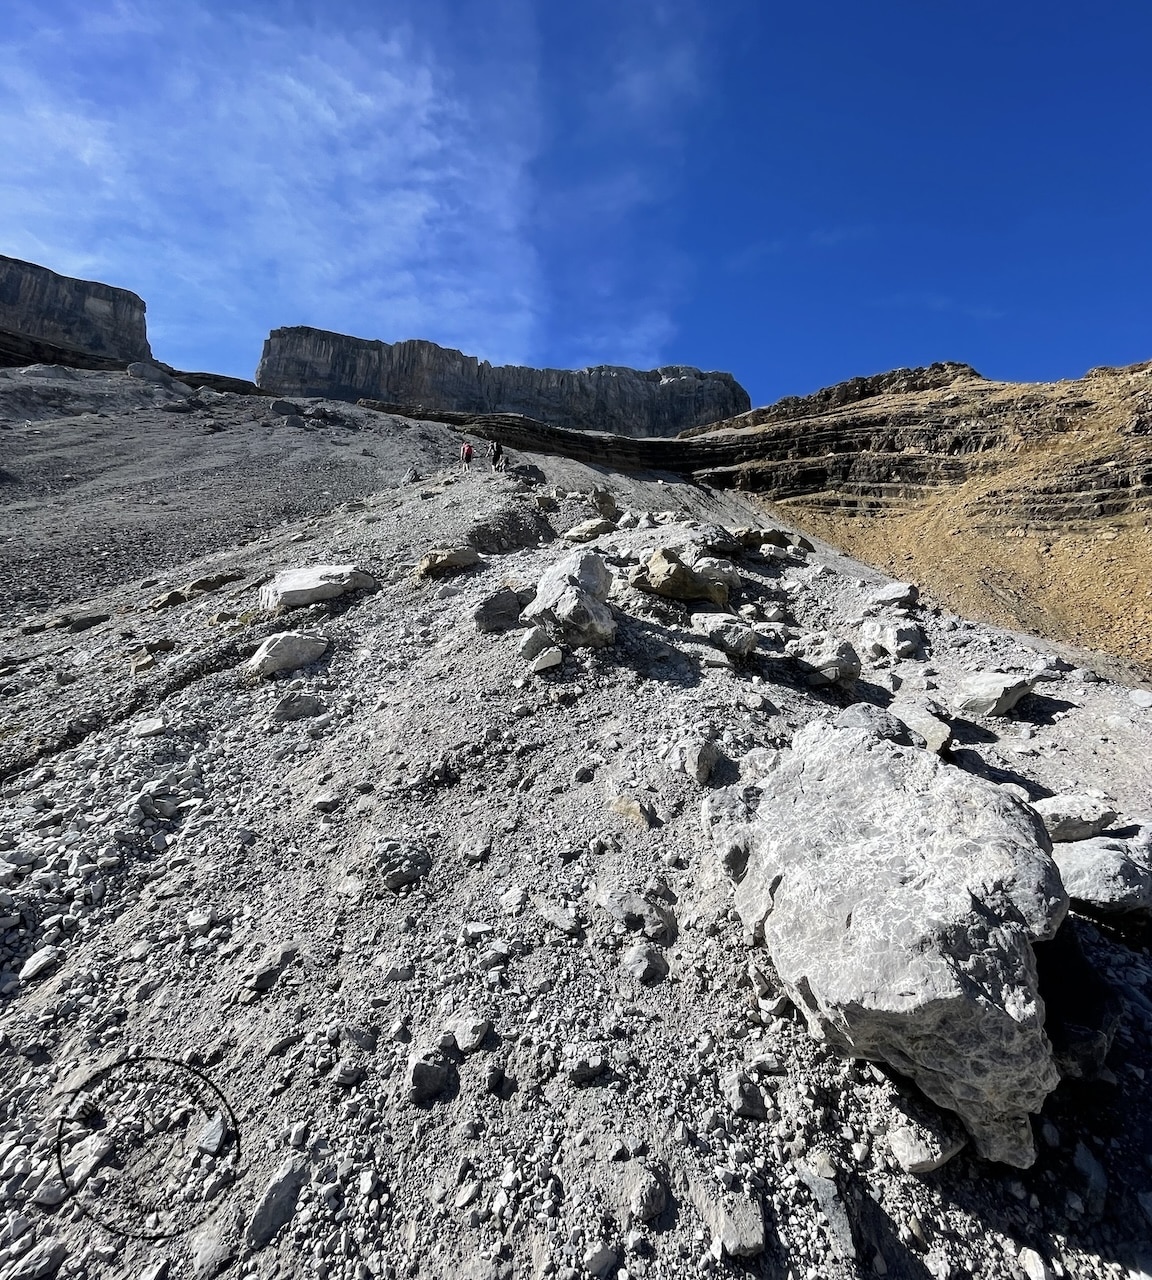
x: 657, y: 402
x: 41, y: 311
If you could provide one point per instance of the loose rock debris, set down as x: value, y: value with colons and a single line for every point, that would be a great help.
x: 716, y: 946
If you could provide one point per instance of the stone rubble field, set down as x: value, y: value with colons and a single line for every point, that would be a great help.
x: 560, y: 874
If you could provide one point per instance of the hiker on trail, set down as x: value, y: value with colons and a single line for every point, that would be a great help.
x: 466, y: 456
x: 496, y: 454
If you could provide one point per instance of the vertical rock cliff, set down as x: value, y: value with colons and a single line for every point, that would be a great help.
x: 657, y: 402
x: 48, y: 317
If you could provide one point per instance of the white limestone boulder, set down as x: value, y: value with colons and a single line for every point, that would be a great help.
x: 294, y: 588
x: 1113, y: 876
x: 899, y: 898
x: 287, y: 651
x: 569, y: 602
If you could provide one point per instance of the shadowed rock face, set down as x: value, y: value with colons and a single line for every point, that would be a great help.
x: 656, y: 402
x: 41, y: 311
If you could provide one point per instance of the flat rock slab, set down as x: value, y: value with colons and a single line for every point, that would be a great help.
x: 294, y: 588
x: 899, y: 898
x: 287, y: 651
x: 989, y: 693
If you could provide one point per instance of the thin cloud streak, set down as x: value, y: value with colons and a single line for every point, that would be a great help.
x: 261, y: 174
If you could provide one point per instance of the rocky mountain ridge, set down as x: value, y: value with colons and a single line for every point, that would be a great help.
x: 300, y: 361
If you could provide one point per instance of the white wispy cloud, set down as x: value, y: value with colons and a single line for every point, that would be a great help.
x: 241, y: 171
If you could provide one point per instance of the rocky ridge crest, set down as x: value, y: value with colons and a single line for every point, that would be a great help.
x: 299, y: 361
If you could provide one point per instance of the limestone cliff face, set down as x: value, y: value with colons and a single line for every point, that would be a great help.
x: 659, y: 402
x: 43, y: 314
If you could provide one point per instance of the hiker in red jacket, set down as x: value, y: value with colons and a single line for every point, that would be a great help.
x: 465, y: 456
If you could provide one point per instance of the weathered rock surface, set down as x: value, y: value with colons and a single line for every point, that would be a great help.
x: 899, y: 899
x: 442, y: 562
x: 1111, y: 875
x: 293, y: 588
x: 1074, y: 817
x: 569, y: 601
x: 827, y: 660
x: 287, y: 651
x: 726, y: 633
x: 88, y: 317
x: 989, y: 693
x: 658, y: 402
x: 665, y: 574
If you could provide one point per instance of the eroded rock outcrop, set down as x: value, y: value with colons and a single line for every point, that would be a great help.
x: 656, y: 402
x: 899, y: 899
x: 41, y: 310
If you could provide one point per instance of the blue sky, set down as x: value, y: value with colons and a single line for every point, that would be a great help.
x: 797, y: 193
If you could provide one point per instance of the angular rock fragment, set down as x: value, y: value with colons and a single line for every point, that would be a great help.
x: 644, y: 1191
x: 899, y: 899
x: 922, y: 1141
x: 696, y: 757
x: 402, y: 865
x: 297, y: 706
x: 569, y: 602
x: 287, y: 651
x: 468, y: 1031
x: 726, y: 633
x: 39, y: 962
x: 654, y: 919
x: 880, y: 639
x: 667, y: 575
x: 735, y: 1222
x: 533, y: 643
x: 277, y: 1204
x: 1074, y: 817
x: 743, y: 1096
x: 294, y: 588
x: 588, y: 530
x: 426, y: 1077
x: 895, y: 594
x: 546, y: 660
x: 863, y: 715
x: 499, y: 612
x: 989, y: 693
x: 1112, y: 876
x: 644, y: 963
x: 443, y: 561
x: 41, y: 1261
x: 828, y: 660
x: 925, y: 718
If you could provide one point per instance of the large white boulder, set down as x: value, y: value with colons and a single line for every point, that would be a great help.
x: 899, y: 898
x: 569, y: 601
x: 292, y: 588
